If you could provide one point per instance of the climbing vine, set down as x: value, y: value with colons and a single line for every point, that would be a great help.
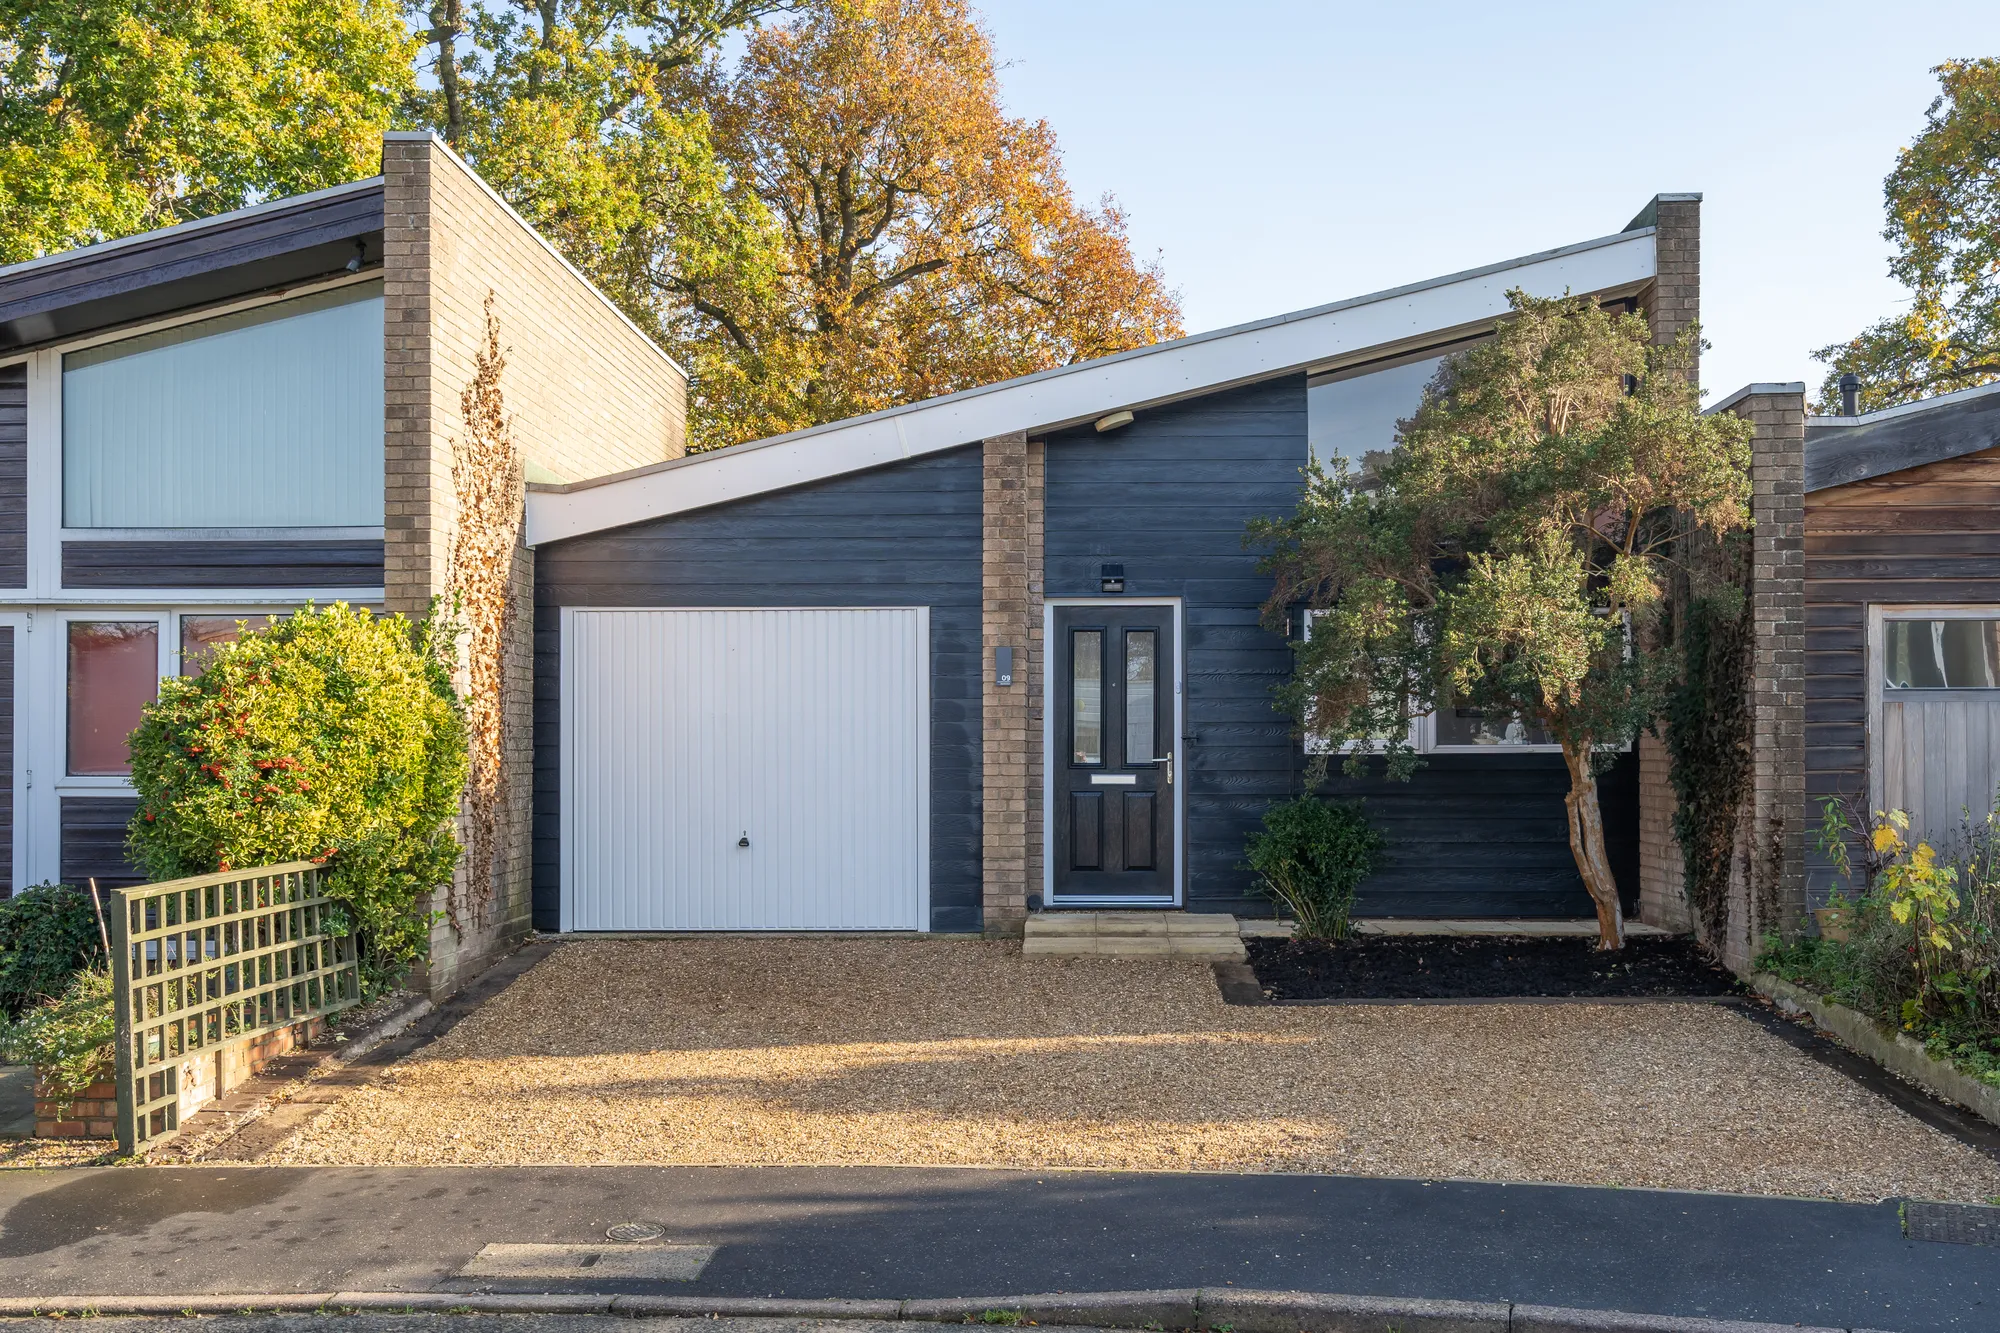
x: 486, y: 478
x: 1708, y: 736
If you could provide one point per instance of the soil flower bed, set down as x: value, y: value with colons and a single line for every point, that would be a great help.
x: 927, y: 1052
x: 1466, y: 967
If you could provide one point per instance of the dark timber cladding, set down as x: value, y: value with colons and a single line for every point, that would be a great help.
x: 7, y: 732
x: 93, y: 840
x: 1472, y: 834
x: 14, y: 476
x: 903, y: 535
x: 181, y: 268
x: 222, y: 564
x: 1928, y: 534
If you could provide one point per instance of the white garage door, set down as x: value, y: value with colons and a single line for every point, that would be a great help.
x: 745, y: 769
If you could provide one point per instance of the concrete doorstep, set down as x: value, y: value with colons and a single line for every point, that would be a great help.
x: 1227, y: 1310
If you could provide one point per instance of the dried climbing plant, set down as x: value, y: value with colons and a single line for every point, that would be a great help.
x: 486, y: 477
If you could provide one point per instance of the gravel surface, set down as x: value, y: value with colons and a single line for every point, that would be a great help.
x: 831, y: 1051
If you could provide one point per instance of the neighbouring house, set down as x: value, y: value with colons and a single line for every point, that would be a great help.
x: 946, y: 665
x: 1902, y: 513
x: 225, y: 419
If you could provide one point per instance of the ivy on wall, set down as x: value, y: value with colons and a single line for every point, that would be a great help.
x: 1707, y: 730
x: 487, y: 481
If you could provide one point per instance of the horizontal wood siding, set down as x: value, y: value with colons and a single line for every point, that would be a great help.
x: 1927, y: 534
x: 14, y: 476
x: 904, y: 535
x: 7, y: 732
x: 93, y: 840
x: 228, y: 564
x: 1168, y: 497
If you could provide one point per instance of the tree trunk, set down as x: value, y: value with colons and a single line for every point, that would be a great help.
x: 1586, y: 843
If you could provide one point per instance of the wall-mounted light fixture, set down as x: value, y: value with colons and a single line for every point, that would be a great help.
x: 360, y: 257
x: 1111, y: 578
x: 1113, y: 422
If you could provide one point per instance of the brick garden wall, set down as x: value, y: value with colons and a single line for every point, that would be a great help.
x: 588, y: 395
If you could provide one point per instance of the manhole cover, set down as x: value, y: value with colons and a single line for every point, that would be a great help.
x: 635, y: 1231
x: 1952, y: 1223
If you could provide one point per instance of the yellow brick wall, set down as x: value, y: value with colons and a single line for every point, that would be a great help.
x: 588, y: 395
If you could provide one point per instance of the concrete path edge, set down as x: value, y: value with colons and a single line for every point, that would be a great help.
x: 1896, y: 1052
x: 1227, y: 1310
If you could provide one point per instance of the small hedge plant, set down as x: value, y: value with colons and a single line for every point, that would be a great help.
x: 47, y: 935
x: 67, y: 1037
x: 333, y: 736
x: 1309, y: 858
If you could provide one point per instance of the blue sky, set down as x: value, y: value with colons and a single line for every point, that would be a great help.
x: 1278, y: 155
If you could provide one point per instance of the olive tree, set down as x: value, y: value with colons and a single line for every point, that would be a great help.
x: 1512, y: 552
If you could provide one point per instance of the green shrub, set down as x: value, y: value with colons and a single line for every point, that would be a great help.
x: 68, y: 1038
x: 333, y: 736
x: 1309, y: 857
x: 47, y: 935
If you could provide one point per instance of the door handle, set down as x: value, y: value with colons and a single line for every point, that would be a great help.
x: 1169, y: 761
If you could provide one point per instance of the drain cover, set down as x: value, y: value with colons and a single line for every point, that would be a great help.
x: 1952, y: 1223
x: 635, y: 1231
x: 590, y: 1263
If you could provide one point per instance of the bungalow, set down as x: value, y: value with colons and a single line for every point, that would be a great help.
x: 999, y: 652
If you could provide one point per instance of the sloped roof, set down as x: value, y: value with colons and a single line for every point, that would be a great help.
x: 1323, y: 337
x: 1840, y: 450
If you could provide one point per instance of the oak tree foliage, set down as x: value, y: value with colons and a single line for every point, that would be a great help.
x: 1512, y: 552
x: 1943, y: 204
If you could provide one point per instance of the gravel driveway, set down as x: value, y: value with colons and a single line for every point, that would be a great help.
x: 746, y: 1051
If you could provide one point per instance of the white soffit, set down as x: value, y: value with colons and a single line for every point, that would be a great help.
x: 1139, y: 379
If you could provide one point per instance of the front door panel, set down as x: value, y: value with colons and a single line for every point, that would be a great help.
x: 1116, y: 719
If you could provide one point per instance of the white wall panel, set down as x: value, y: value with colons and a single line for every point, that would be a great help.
x: 686, y: 730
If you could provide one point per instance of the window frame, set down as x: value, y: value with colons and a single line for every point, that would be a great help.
x: 1878, y: 655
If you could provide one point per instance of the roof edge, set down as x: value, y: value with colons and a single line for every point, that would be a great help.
x: 1098, y: 363
x: 84, y: 253
x: 1905, y: 409
x: 1749, y: 390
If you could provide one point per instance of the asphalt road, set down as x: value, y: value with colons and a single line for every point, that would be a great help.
x: 817, y: 1232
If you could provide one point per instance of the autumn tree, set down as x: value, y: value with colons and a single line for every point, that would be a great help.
x: 1943, y: 205
x: 1511, y: 553
x: 118, y: 116
x: 922, y: 241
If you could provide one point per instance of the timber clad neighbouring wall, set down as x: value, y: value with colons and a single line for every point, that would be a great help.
x: 1924, y: 535
x: 904, y: 535
x: 222, y: 564
x: 13, y: 476
x: 1168, y: 497
x: 7, y: 734
x: 93, y: 840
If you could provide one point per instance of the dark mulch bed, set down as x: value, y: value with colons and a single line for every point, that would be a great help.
x: 1467, y: 967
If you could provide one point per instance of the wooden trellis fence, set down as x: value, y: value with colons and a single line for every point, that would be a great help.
x: 202, y: 965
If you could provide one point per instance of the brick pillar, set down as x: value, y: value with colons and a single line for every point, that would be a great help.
x: 1010, y: 729
x: 418, y: 502
x: 1768, y: 888
x: 1671, y: 304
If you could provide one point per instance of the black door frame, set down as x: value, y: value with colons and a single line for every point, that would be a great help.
x: 1054, y: 668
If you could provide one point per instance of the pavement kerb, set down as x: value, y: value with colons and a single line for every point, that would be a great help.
x: 1223, y: 1310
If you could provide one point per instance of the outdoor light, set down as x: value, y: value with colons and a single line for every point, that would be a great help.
x: 1113, y: 422
x: 1111, y: 578
x: 360, y: 253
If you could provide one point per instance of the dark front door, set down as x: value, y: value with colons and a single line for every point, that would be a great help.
x: 1116, y: 721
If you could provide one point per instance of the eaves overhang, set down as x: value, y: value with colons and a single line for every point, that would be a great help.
x: 1343, y: 333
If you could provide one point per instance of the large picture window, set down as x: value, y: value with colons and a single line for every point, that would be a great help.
x: 270, y: 417
x: 1353, y: 413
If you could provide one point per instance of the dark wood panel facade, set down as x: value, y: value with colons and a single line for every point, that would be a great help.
x: 1922, y: 535
x: 14, y: 476
x: 903, y: 535
x: 1168, y: 498
x: 93, y: 840
x: 7, y: 735
x: 222, y: 564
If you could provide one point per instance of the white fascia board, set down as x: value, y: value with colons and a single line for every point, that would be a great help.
x: 1143, y: 378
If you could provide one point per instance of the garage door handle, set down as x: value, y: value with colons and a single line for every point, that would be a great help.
x: 744, y: 841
